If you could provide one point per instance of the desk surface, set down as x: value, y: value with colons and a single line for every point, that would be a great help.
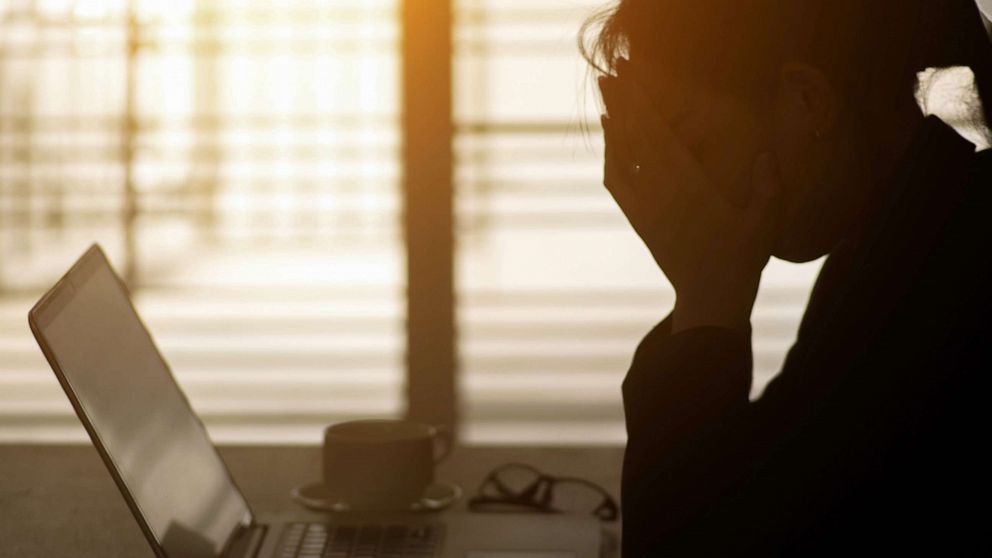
x: 60, y: 501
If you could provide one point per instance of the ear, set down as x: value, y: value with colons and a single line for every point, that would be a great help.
x: 809, y: 99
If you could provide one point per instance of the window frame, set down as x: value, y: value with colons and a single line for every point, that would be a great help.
x: 427, y: 167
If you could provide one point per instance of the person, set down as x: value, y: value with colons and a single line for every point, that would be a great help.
x: 736, y: 131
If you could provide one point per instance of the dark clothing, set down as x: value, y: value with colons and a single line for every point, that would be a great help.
x: 872, y: 439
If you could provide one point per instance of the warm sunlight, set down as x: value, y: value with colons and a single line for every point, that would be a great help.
x: 262, y: 171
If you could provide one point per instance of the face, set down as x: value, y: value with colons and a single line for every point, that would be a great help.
x: 822, y: 184
x: 719, y: 130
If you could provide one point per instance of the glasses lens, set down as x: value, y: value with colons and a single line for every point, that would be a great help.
x: 576, y: 497
x: 516, y: 479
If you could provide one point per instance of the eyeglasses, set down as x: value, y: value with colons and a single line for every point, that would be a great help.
x: 519, y: 487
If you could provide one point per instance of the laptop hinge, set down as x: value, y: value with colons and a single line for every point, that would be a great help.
x: 246, y: 542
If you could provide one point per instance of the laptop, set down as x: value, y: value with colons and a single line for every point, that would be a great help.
x: 178, y: 487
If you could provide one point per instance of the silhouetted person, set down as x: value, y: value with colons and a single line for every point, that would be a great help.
x: 738, y: 130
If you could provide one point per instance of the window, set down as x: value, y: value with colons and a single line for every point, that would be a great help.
x: 244, y: 164
x: 241, y: 167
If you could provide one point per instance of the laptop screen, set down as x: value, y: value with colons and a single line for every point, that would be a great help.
x: 125, y: 389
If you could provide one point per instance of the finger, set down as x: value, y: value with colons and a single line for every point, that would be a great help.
x: 648, y: 190
x: 619, y: 144
x: 633, y: 151
x: 653, y: 181
x: 602, y: 86
x: 608, y: 91
x: 655, y: 128
x: 621, y: 157
x: 654, y: 142
x: 615, y: 175
x: 661, y: 213
x: 645, y: 128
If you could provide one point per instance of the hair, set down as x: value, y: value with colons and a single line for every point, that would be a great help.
x: 872, y: 49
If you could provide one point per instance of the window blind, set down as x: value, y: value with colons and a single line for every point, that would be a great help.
x: 239, y: 162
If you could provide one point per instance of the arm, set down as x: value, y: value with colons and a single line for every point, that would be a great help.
x: 690, y: 379
x: 683, y: 398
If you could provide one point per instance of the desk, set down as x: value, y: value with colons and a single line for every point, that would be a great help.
x: 59, y: 501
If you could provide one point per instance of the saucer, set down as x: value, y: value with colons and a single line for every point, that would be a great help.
x: 436, y: 496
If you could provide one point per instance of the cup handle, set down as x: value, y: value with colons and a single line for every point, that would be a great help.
x: 443, y: 449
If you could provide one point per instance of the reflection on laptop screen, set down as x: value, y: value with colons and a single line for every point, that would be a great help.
x: 125, y: 389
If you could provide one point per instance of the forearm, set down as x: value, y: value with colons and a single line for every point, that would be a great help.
x: 680, y: 382
x: 684, y: 397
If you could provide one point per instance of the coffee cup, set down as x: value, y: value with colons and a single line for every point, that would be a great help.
x: 381, y: 463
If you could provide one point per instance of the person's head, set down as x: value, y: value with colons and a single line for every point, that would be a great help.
x: 827, y: 86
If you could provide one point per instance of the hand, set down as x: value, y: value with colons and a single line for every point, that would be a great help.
x: 712, y: 252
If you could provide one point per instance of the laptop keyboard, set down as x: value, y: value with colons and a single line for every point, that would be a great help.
x: 316, y: 540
